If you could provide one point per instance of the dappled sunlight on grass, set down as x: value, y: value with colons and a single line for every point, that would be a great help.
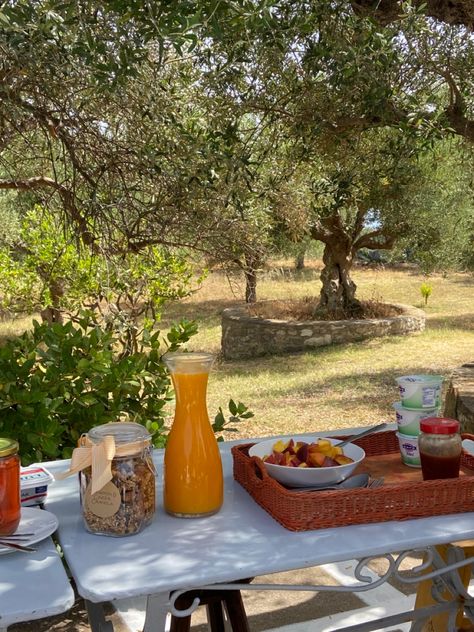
x: 15, y: 327
x: 338, y: 386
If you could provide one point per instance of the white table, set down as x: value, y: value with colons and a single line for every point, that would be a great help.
x: 242, y: 540
x: 33, y: 585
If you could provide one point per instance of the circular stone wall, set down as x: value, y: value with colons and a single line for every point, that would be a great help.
x: 246, y: 336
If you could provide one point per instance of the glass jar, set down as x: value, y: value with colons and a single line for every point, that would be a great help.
x: 125, y: 504
x: 10, y: 505
x: 193, y: 479
x: 440, y: 447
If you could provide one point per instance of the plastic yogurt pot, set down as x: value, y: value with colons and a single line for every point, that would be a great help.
x: 409, y: 450
x: 408, y: 419
x: 420, y: 391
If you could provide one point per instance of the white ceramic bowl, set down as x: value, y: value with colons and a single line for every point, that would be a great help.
x: 306, y: 476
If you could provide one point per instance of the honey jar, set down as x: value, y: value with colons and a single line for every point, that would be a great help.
x: 10, y: 506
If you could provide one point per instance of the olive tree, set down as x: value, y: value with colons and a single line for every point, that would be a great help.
x: 135, y: 124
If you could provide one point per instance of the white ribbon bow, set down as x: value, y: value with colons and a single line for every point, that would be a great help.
x: 97, y: 455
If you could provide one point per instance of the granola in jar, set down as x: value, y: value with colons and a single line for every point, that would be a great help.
x: 126, y: 503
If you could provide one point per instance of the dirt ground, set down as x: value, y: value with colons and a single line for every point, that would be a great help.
x: 75, y: 620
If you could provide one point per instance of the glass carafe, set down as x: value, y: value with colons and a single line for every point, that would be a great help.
x: 193, y: 480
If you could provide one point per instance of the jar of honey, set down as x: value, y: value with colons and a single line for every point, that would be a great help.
x: 440, y: 447
x: 10, y: 505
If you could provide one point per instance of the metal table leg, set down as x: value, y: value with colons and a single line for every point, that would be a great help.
x: 97, y: 620
x: 157, y: 607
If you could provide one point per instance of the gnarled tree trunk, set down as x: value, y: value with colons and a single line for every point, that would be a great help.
x: 337, y: 297
x: 250, y: 285
x: 250, y: 265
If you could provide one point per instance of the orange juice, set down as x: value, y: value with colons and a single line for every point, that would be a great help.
x: 193, y: 480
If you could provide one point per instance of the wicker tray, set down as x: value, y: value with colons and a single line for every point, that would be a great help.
x: 404, y: 494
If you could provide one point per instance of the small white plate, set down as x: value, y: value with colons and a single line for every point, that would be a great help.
x: 33, y: 520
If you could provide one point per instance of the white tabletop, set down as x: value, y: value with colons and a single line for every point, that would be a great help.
x: 33, y: 585
x: 242, y: 540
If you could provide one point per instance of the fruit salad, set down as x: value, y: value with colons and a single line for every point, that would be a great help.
x: 321, y: 453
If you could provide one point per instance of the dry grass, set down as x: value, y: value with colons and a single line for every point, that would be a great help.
x: 338, y: 386
x: 306, y: 308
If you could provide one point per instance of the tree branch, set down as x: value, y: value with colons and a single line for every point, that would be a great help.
x: 42, y: 182
x: 317, y: 231
x: 456, y: 111
x: 376, y: 239
x: 449, y: 11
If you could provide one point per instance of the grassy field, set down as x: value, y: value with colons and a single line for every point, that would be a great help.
x: 338, y: 386
x: 331, y: 387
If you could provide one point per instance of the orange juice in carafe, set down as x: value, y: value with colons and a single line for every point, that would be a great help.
x: 193, y: 480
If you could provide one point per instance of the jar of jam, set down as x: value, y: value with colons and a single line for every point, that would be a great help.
x: 126, y: 503
x: 440, y: 447
x: 10, y: 505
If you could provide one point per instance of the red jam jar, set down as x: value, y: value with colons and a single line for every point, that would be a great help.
x: 10, y: 506
x: 440, y: 447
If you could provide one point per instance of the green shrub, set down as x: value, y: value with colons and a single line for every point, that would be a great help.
x: 58, y: 381
x: 426, y: 291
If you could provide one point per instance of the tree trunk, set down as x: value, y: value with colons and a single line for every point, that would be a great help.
x: 299, y: 259
x: 250, y: 285
x: 52, y: 313
x: 337, y: 297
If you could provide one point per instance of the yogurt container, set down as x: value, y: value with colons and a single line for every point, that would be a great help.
x: 420, y: 391
x: 408, y: 419
x: 409, y: 450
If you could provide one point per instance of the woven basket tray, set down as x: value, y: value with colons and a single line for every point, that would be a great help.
x: 404, y: 494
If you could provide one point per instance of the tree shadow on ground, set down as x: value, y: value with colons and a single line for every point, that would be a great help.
x: 468, y: 281
x: 350, y: 389
x: 74, y: 620
x: 318, y: 605
x: 464, y: 322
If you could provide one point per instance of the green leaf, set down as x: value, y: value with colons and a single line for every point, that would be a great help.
x: 233, y: 407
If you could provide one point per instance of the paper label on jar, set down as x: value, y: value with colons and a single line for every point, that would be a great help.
x: 105, y: 502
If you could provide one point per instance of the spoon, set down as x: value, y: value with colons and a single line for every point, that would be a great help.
x: 362, y: 434
x: 358, y: 480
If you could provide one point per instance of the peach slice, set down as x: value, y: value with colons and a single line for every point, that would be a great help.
x: 316, y: 459
x: 290, y: 447
x: 341, y: 459
x: 328, y: 462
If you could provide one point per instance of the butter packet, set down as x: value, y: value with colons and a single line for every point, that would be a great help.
x: 34, y: 481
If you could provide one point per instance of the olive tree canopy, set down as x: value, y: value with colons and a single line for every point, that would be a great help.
x: 133, y: 119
